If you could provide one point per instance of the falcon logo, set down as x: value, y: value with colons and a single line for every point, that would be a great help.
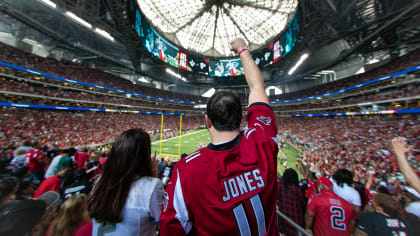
x: 192, y: 63
x: 165, y: 201
x: 265, y: 120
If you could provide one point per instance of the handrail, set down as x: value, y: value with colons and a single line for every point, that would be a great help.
x: 292, y: 223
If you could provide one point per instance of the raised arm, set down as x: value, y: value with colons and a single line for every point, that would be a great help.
x: 400, y: 150
x: 253, y: 74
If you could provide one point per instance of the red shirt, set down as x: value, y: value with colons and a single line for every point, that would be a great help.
x: 81, y: 158
x: 85, y: 229
x: 34, y: 160
x: 333, y: 214
x: 50, y: 184
x: 227, y: 189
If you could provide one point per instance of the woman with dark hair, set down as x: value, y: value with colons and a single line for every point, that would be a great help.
x: 290, y: 201
x: 360, y: 188
x: 126, y: 199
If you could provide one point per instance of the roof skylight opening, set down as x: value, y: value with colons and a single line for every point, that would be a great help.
x: 206, y: 27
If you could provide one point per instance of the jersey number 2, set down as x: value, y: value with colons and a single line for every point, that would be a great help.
x: 242, y: 220
x: 337, y: 218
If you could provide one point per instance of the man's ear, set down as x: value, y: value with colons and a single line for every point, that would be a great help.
x: 208, y: 122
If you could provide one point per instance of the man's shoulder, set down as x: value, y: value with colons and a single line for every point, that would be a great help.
x: 317, y: 198
x: 336, y: 199
x: 192, y: 159
x: 194, y: 165
x: 324, y: 198
x: 30, y: 152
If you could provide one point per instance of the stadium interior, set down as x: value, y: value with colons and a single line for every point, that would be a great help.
x: 342, y: 77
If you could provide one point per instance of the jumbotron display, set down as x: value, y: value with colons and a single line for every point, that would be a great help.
x: 226, y: 67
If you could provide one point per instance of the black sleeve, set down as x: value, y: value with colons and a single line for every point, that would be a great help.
x: 365, y: 223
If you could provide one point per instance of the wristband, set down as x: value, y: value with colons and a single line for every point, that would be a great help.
x: 242, y: 50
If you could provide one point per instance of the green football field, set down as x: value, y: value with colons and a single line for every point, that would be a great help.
x: 190, y: 142
x: 291, y: 153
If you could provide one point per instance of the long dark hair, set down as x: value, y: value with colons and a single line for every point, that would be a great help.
x: 342, y: 176
x: 361, y: 189
x: 129, y: 159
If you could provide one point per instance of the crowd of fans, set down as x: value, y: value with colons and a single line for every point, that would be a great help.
x: 81, y: 98
x: 362, y: 147
x: 97, y: 98
x: 376, y: 96
x: 88, y: 99
x: 338, y: 155
x: 396, y: 65
x: 360, y: 144
x: 350, y: 160
x: 71, y: 129
x: 78, y: 72
x: 348, y: 201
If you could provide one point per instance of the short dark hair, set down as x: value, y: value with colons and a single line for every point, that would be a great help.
x: 129, y: 159
x: 225, y: 111
x: 26, y: 143
x: 384, y: 190
x: 7, y: 186
x: 290, y: 177
x: 343, y: 176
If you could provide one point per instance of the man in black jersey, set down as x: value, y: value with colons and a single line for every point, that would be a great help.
x: 384, y: 221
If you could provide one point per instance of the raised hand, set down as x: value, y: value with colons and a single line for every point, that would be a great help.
x: 237, y: 44
x: 399, y: 146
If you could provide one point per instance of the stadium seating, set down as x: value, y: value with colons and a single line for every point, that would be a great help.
x: 360, y: 144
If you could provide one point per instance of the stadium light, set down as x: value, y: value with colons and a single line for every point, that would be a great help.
x: 209, y: 93
x: 360, y: 71
x: 142, y: 79
x: 173, y: 73
x: 176, y: 75
x: 104, y: 34
x: 300, y: 61
x: 49, y: 3
x: 78, y: 19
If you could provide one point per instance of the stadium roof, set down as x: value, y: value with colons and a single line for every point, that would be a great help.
x: 336, y: 33
x: 207, y: 26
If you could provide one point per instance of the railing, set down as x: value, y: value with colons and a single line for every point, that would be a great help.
x: 301, y: 231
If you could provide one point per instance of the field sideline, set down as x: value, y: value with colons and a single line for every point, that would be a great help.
x: 190, y: 142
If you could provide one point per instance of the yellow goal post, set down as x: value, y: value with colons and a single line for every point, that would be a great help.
x: 161, y: 138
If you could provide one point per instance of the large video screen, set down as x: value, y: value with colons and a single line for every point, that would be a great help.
x: 288, y: 37
x: 223, y: 68
x: 169, y: 53
x: 158, y: 46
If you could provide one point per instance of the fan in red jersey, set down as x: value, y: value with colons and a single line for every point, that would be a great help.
x: 228, y: 187
x: 332, y: 214
x: 81, y: 156
x: 36, y: 160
